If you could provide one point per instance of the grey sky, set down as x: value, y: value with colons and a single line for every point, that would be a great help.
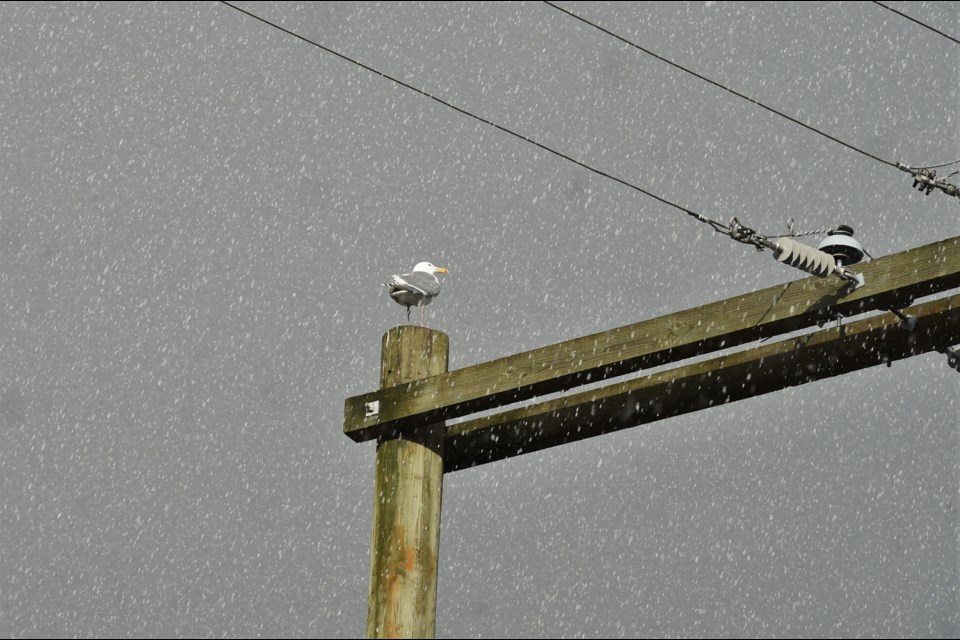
x: 196, y: 215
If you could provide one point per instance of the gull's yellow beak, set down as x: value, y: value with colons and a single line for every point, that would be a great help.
x: 442, y: 270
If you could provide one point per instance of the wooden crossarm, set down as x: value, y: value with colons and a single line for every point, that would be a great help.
x: 744, y: 374
x: 891, y: 281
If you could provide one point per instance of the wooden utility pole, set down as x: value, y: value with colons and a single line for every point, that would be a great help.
x: 417, y: 393
x: 407, y: 495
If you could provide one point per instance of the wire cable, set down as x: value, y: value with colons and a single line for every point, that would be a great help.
x: 717, y: 226
x: 937, y: 166
x: 922, y: 24
x: 719, y: 85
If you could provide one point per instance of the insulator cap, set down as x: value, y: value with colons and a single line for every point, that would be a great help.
x: 841, y: 245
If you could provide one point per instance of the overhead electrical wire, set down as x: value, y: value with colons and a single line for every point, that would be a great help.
x: 937, y: 166
x: 785, y: 250
x: 922, y: 24
x: 717, y: 226
x: 734, y: 229
x: 719, y: 85
x: 924, y: 177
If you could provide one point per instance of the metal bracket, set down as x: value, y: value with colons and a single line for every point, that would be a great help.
x: 835, y: 315
x: 925, y: 181
x: 908, y: 323
x: 953, y: 356
x: 856, y: 280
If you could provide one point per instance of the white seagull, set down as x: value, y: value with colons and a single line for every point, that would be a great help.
x: 417, y: 288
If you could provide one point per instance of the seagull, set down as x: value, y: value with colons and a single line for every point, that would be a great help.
x: 417, y: 288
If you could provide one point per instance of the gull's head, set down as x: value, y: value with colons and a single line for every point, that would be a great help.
x: 430, y: 268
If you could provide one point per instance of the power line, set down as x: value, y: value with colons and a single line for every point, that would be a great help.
x: 719, y: 85
x: 937, y: 166
x: 922, y: 24
x: 717, y: 226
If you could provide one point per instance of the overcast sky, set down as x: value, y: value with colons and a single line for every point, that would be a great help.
x: 197, y: 212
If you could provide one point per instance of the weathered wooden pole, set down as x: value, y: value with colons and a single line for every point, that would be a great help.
x: 407, y: 496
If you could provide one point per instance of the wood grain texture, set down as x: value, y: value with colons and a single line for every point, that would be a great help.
x: 893, y: 280
x: 815, y: 356
x: 408, y: 490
